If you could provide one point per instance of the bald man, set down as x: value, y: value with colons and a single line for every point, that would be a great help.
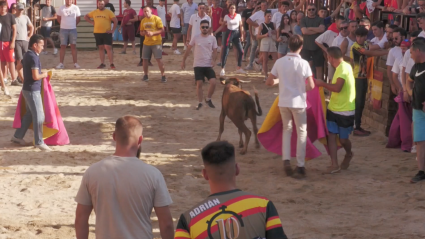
x: 228, y: 208
x: 123, y: 190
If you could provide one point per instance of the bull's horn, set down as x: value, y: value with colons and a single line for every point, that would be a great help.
x: 244, y: 81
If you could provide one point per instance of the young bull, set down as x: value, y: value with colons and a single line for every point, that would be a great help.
x: 238, y: 105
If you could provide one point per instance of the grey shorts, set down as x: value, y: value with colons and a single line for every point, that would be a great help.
x: 147, y: 52
x: 184, y: 28
x: 268, y: 45
x: 68, y: 36
x: 21, y: 47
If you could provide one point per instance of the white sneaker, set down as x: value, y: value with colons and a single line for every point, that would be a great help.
x: 256, y: 66
x: 413, y: 150
x: 60, y: 66
x: 6, y: 91
x: 240, y: 71
x: 5, y: 80
x: 222, y: 72
x: 185, y: 48
x: 55, y: 51
x: 43, y: 147
x: 18, y: 141
x: 76, y: 66
x: 177, y: 52
x: 218, y: 49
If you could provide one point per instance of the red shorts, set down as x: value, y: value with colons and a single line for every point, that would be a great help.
x: 163, y: 33
x: 6, y: 54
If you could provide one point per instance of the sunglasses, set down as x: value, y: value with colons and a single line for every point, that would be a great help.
x: 311, y: 9
x: 204, y: 27
x: 344, y: 28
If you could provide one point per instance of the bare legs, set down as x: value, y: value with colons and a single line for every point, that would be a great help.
x: 199, y: 90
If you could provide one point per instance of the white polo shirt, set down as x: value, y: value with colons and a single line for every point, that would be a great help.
x: 195, y: 21
x: 292, y: 71
x: 380, y: 43
x: 394, y: 54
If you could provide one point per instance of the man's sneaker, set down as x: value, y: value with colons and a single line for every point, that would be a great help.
x: 361, y: 132
x: 177, y: 52
x: 145, y: 78
x: 43, y: 147
x: 209, y: 103
x: 199, y: 106
x: 287, y: 167
x: 184, y: 48
x: 140, y: 63
x: 222, y: 72
x: 413, y: 150
x: 256, y: 66
x: 76, y: 66
x: 163, y: 79
x: 301, y: 171
x: 101, y: 66
x: 60, y: 66
x: 219, y: 64
x: 16, y: 83
x: 5, y: 90
x: 18, y: 141
x: 123, y: 52
x: 248, y: 68
x: 240, y: 71
x: 418, y: 177
x: 55, y: 51
x: 5, y: 80
x: 164, y: 54
x: 112, y: 66
x: 270, y: 57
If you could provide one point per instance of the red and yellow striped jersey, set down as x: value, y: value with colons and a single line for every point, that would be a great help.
x: 232, y: 214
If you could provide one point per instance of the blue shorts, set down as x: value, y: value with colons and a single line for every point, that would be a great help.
x: 68, y: 36
x: 339, y: 124
x: 418, y: 125
x: 185, y: 28
x: 45, y: 31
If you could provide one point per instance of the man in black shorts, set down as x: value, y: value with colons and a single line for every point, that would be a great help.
x: 205, y: 54
x: 312, y: 26
x: 175, y: 25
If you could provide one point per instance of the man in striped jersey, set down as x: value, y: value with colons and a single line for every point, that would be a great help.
x: 228, y: 212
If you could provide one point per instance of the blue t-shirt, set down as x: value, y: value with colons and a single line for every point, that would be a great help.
x: 327, y: 21
x: 297, y: 30
x: 31, y: 61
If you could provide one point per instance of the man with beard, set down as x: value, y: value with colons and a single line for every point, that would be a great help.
x: 122, y: 190
x: 399, y: 34
x: 348, y: 42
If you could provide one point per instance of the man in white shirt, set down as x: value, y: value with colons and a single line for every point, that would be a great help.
x: 254, y: 21
x: 175, y: 25
x: 292, y: 72
x: 205, y: 55
x: 161, y: 14
x: 399, y: 34
x: 421, y: 22
x: 68, y: 16
x: 195, y: 22
x: 378, y: 42
x: 187, y: 10
x: 407, y: 65
x: 277, y: 17
x: 123, y: 190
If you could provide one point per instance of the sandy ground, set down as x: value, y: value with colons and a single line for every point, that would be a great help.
x: 373, y: 199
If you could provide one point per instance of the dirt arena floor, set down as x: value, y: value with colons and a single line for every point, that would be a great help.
x: 373, y: 199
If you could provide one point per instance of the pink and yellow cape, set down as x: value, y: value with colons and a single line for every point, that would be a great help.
x: 270, y: 133
x: 54, y: 131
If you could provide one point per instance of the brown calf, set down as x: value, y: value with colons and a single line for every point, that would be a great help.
x: 238, y: 105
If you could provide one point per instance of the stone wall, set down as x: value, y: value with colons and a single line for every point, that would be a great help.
x: 380, y: 119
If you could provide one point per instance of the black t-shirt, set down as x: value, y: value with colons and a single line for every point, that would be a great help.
x: 265, y: 30
x: 110, y: 7
x: 417, y: 74
x: 246, y: 14
x: 6, y: 21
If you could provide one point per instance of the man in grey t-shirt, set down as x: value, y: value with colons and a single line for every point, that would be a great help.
x: 24, y: 31
x: 123, y: 190
x: 48, y: 14
x: 312, y: 26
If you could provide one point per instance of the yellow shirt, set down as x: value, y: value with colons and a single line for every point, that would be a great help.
x: 345, y: 99
x: 102, y: 20
x: 153, y: 23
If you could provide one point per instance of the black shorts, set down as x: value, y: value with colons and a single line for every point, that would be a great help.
x: 202, y: 72
x: 219, y: 34
x: 175, y: 30
x: 315, y: 56
x: 103, y: 39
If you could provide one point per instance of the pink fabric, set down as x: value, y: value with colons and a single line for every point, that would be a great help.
x: 316, y: 129
x: 53, y: 118
x: 400, y: 134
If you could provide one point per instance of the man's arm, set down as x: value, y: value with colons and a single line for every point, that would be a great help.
x: 186, y: 53
x: 374, y: 52
x: 390, y: 79
x: 189, y: 33
x: 114, y: 19
x: 59, y: 19
x: 336, y: 11
x: 54, y: 17
x: 299, y: 6
x: 214, y: 56
x: 30, y: 29
x: 12, y: 42
x: 373, y: 46
x: 344, y: 48
x: 87, y: 18
x: 270, y: 80
x: 337, y: 87
x: 37, y: 76
x: 310, y: 83
x: 165, y: 220
x: 82, y: 216
x: 396, y: 83
x: 251, y: 22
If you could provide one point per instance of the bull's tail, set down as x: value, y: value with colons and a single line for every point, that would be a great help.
x: 257, y: 101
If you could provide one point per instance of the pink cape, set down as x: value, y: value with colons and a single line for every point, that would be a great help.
x: 270, y: 133
x: 54, y: 132
x: 400, y: 134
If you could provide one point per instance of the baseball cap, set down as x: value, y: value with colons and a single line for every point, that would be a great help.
x: 405, y: 43
x: 20, y: 6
